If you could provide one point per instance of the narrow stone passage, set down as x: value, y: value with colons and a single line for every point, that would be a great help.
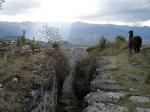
x: 69, y: 102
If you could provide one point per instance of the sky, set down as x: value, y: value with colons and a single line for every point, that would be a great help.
x: 121, y: 12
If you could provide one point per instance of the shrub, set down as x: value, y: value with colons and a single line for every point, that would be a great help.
x: 21, y: 39
x: 62, y: 67
x: 34, y: 45
x: 103, y: 42
x: 83, y: 74
x: 120, y: 39
x: 55, y: 45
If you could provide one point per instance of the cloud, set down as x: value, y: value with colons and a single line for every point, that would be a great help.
x: 14, y: 7
x: 96, y: 11
x: 121, y: 10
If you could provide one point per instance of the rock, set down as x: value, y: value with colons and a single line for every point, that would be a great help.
x: 101, y: 107
x: 104, y: 91
x: 140, y: 99
x: 103, y: 81
x: 143, y: 109
x: 107, y: 87
x: 101, y: 96
x: 138, y: 78
x: 131, y: 89
x: 2, y: 87
x: 91, y: 109
x: 15, y: 79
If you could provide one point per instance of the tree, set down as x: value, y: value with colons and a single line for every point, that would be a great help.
x: 50, y: 33
x: 1, y: 2
x: 21, y: 40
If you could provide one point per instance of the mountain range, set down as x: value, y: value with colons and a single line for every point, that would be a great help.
x: 77, y: 33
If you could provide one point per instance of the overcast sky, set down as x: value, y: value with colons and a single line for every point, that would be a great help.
x: 131, y: 12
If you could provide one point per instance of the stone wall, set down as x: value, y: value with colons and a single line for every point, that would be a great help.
x: 43, y: 99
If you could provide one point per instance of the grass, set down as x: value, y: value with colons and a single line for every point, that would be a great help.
x: 30, y: 70
x: 123, y: 77
x: 125, y: 102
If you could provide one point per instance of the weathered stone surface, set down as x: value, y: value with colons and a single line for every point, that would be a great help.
x: 101, y: 107
x: 44, y: 99
x: 143, y: 109
x: 138, y: 78
x: 104, y: 91
x: 107, y: 87
x: 101, y: 96
x: 140, y: 99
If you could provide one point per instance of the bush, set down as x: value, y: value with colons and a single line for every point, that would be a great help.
x: 120, y: 39
x: 62, y: 67
x: 34, y: 45
x: 55, y: 45
x: 83, y: 75
x: 21, y: 39
x: 103, y: 42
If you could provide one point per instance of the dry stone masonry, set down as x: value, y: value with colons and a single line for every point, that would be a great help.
x: 105, y: 93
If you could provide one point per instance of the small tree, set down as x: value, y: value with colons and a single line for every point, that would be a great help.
x: 21, y: 40
x: 103, y: 42
x: 50, y: 33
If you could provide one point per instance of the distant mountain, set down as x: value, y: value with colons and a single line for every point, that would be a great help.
x: 76, y: 33
x: 84, y: 33
x: 10, y: 30
x: 13, y: 29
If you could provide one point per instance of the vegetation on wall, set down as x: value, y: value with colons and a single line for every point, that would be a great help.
x: 84, y: 70
x: 105, y: 47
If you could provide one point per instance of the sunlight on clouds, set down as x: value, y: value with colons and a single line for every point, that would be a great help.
x: 65, y: 10
x: 53, y: 10
x: 93, y: 11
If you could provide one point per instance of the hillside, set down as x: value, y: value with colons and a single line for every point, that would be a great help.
x: 84, y: 33
x: 30, y: 76
x: 76, y: 33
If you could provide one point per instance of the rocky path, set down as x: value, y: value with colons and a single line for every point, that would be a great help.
x: 106, y: 93
x: 69, y: 102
